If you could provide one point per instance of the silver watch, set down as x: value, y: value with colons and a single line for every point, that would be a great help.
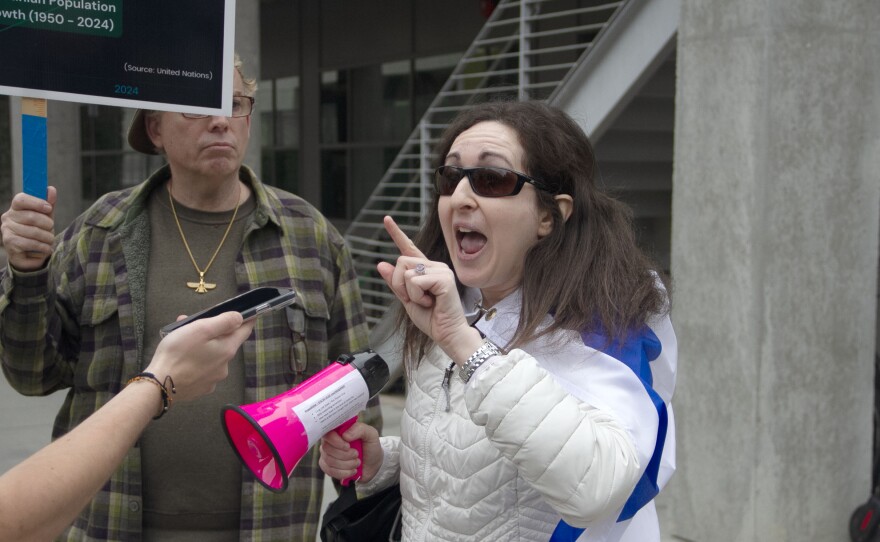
x: 484, y: 352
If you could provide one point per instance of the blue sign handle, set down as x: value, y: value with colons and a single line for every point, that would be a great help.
x: 33, y: 147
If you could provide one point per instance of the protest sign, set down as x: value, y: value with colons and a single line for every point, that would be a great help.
x: 156, y: 54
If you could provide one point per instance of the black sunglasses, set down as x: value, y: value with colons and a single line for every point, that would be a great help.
x: 489, y: 182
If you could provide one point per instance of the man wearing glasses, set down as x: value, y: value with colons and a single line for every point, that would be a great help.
x: 201, y: 229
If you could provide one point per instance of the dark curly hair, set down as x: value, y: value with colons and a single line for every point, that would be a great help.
x: 588, y: 272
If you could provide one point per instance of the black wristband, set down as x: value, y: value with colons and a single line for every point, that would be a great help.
x: 167, y: 389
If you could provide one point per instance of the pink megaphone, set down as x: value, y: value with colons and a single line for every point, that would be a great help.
x: 270, y: 437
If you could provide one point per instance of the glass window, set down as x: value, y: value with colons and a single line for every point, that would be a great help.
x: 368, y: 165
x: 334, y: 107
x: 287, y: 111
x: 100, y: 174
x: 278, y: 105
x: 367, y: 113
x: 265, y: 105
x: 397, y: 116
x: 333, y: 183
x: 285, y: 169
x: 101, y: 128
x: 431, y: 74
x: 108, y: 163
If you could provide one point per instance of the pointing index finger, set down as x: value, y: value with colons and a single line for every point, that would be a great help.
x: 404, y: 243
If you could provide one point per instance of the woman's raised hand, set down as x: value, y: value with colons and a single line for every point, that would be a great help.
x: 427, y: 291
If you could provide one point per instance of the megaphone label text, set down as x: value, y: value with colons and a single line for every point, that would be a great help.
x: 330, y: 407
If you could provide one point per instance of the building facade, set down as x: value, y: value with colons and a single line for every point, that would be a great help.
x: 747, y: 141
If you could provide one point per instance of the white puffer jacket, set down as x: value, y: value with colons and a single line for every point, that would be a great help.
x: 561, y: 432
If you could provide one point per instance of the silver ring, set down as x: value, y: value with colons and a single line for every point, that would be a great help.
x: 420, y: 269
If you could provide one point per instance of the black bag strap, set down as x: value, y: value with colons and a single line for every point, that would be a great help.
x: 376, y: 517
x: 347, y: 497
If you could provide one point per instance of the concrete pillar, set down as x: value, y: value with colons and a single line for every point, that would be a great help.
x: 64, y: 163
x: 774, y: 259
x: 247, y: 45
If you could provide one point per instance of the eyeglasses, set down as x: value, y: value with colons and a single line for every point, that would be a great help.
x: 242, y: 106
x: 489, y: 182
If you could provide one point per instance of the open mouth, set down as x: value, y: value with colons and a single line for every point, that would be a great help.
x: 470, y: 241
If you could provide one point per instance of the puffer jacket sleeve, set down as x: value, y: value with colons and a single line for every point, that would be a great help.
x: 577, y: 455
x: 389, y: 471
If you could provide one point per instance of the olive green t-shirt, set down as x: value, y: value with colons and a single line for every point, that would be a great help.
x: 191, y: 476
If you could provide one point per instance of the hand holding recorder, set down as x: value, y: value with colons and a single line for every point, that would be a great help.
x: 249, y: 304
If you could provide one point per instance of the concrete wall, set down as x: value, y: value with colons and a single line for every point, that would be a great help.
x: 774, y: 257
x: 247, y: 45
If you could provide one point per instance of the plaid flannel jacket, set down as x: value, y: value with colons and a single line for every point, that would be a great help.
x: 79, y: 324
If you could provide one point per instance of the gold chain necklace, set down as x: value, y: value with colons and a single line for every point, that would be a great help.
x: 201, y: 286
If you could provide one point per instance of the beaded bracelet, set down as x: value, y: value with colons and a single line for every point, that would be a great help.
x: 163, y: 389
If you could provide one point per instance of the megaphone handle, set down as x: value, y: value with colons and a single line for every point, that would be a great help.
x: 357, y: 445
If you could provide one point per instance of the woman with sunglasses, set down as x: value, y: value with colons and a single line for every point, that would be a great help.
x: 539, y: 352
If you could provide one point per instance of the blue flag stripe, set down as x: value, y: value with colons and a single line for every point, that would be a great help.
x: 636, y: 353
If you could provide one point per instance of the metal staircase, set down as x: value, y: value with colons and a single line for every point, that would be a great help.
x: 525, y: 50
